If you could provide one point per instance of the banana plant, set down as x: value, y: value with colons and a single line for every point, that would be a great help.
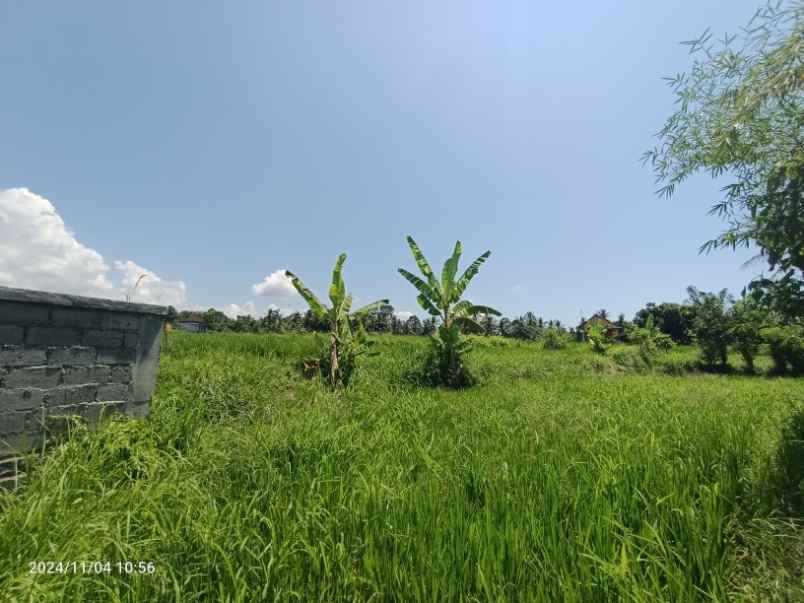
x: 345, y: 344
x: 442, y: 299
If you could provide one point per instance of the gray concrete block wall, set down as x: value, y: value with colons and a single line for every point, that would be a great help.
x: 67, y: 355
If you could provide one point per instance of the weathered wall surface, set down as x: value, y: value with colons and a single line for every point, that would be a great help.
x: 68, y: 355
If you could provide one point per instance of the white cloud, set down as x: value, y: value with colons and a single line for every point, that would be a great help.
x: 235, y: 310
x: 151, y: 289
x: 37, y: 251
x: 275, y: 284
x: 403, y: 314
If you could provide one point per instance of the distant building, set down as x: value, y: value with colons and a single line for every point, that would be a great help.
x: 194, y: 323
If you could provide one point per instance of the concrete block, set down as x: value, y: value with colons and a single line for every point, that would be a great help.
x: 43, y: 377
x: 117, y: 356
x: 11, y: 335
x: 72, y: 356
x: 23, y: 313
x: 70, y: 394
x: 123, y: 322
x: 113, y: 392
x: 12, y: 355
x: 52, y: 336
x: 20, y: 399
x: 69, y: 317
x: 120, y: 374
x: 11, y: 422
x: 145, y: 370
x: 19, y: 442
x: 80, y: 394
x: 86, y: 374
x: 103, y: 339
x: 131, y: 340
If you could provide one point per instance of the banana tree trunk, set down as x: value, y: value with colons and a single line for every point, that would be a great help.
x: 333, y: 359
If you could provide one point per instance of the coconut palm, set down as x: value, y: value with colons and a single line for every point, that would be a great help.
x: 345, y: 344
x: 442, y: 299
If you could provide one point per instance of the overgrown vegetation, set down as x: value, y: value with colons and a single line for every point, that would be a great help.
x: 550, y: 480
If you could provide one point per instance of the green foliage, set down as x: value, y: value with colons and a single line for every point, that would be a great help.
x: 442, y: 299
x: 445, y: 361
x: 747, y: 317
x: 596, y: 334
x: 786, y: 344
x: 741, y: 116
x: 711, y: 326
x: 651, y: 341
x: 554, y: 338
x: 672, y: 319
x: 338, y: 361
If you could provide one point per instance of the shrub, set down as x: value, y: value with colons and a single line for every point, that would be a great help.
x: 711, y: 326
x: 596, y: 334
x: 786, y: 347
x: 554, y: 338
x: 650, y: 340
x: 746, y: 318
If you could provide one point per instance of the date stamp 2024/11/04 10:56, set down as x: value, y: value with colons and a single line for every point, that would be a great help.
x: 92, y: 567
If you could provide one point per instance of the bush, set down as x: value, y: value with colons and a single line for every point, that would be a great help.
x: 444, y: 364
x: 651, y: 341
x: 746, y: 318
x: 786, y: 347
x: 554, y: 338
x: 711, y: 326
x: 597, y: 338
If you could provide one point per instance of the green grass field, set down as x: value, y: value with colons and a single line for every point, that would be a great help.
x: 561, y: 476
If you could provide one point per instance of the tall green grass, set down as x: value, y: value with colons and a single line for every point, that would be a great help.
x: 557, y: 478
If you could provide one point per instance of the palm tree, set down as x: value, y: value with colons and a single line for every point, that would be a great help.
x: 442, y: 299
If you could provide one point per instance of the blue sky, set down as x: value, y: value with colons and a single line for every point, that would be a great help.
x: 215, y: 143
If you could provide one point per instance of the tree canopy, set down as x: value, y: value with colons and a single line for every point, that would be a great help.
x: 740, y: 116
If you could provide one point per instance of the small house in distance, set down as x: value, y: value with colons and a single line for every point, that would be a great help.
x: 193, y: 323
x: 612, y: 329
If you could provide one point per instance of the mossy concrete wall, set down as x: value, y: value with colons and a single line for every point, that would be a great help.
x: 68, y: 355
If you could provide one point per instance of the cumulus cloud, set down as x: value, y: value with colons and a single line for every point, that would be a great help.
x: 275, y: 284
x: 37, y: 251
x: 403, y: 314
x: 235, y: 310
x: 143, y: 285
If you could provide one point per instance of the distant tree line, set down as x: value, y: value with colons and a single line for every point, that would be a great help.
x: 383, y: 320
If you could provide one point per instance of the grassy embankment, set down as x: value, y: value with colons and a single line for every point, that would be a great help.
x: 560, y: 477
